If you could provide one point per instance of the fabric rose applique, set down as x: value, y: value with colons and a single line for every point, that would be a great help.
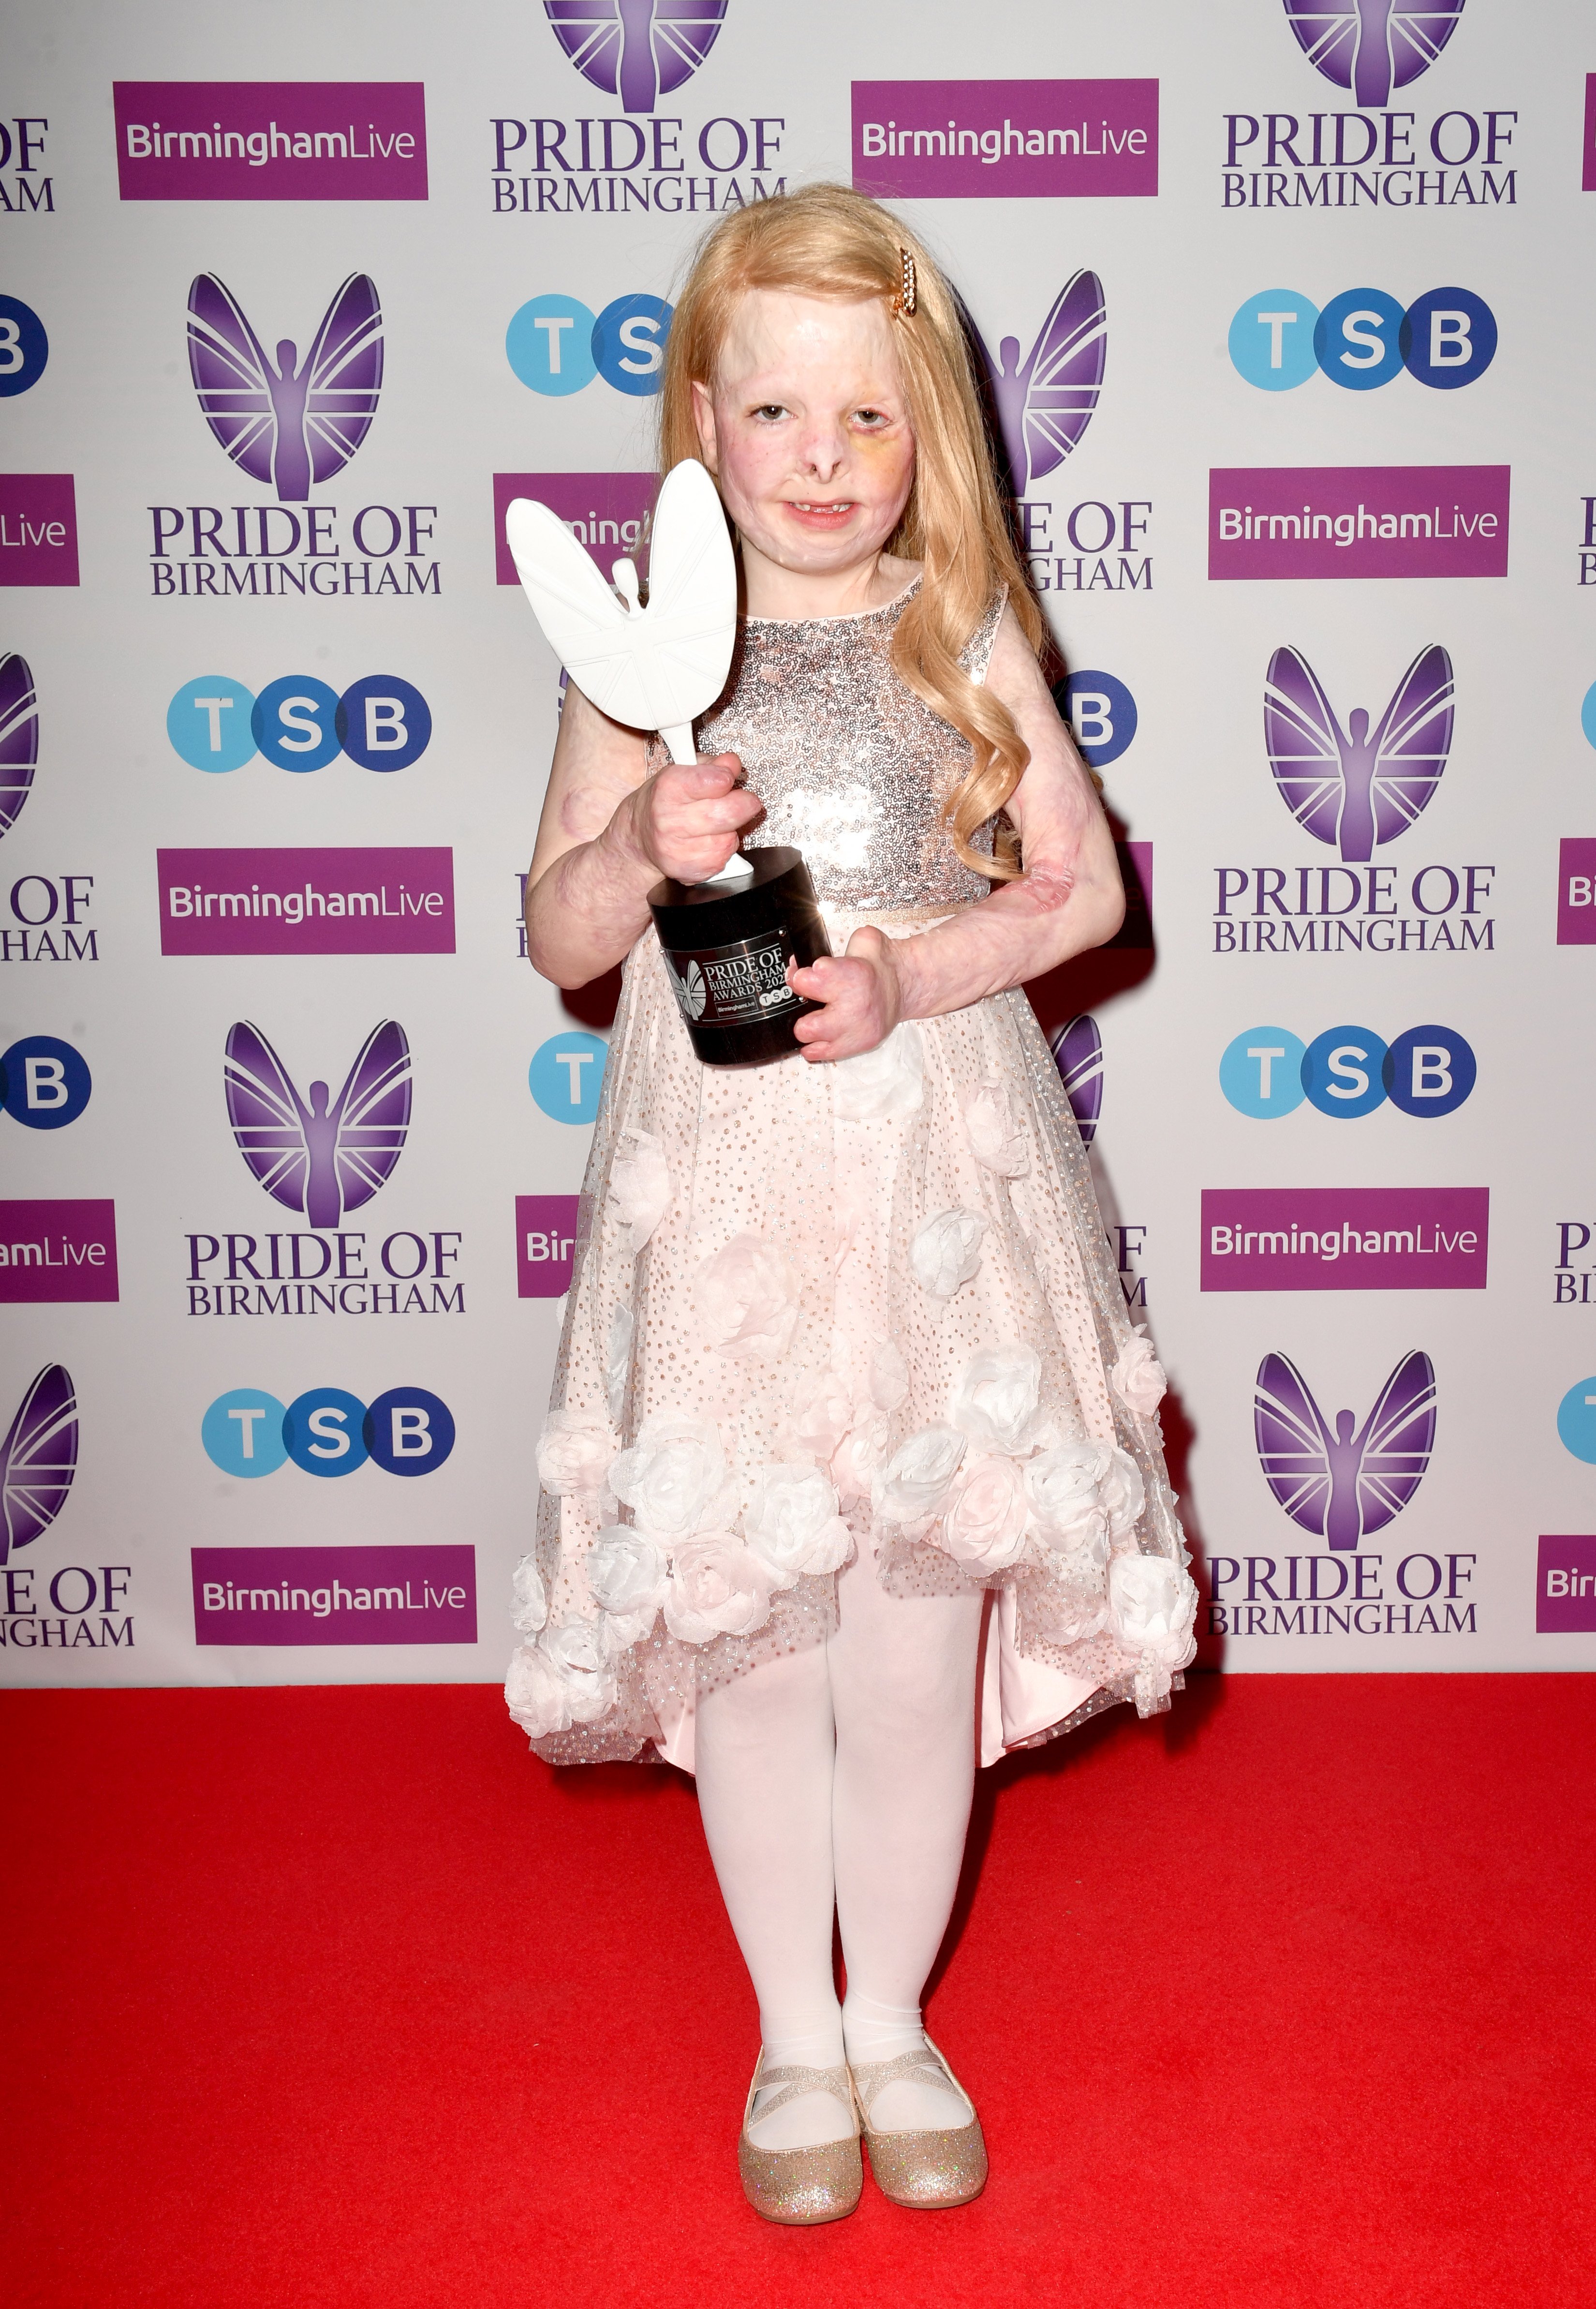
x: 947, y: 1252
x: 792, y: 1524
x: 674, y: 1477
x: 912, y: 1489
x: 984, y: 1527
x: 529, y: 1600
x: 748, y: 1296
x: 564, y: 1678
x: 718, y: 1587
x: 573, y: 1451
x: 994, y: 1398
x: 626, y: 1577
x: 1153, y: 1606
x: 1137, y: 1379
x: 886, y: 1083
x: 992, y: 1125
x: 639, y: 1186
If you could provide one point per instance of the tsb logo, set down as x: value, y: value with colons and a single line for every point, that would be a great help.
x: 407, y: 1432
x: 557, y: 345
x: 1101, y: 714
x: 44, y: 1083
x: 1447, y: 338
x: 1347, y: 1072
x: 299, y: 723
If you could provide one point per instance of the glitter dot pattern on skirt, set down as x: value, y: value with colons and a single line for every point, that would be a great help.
x: 786, y: 1275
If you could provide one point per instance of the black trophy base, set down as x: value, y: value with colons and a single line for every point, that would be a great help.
x: 727, y: 948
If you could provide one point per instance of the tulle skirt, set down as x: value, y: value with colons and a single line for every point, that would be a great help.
x: 810, y: 1302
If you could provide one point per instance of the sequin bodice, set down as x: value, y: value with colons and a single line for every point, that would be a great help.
x: 852, y: 769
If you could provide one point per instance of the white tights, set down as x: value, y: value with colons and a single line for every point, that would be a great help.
x: 840, y: 1778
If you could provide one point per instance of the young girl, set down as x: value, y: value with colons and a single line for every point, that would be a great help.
x: 845, y: 1366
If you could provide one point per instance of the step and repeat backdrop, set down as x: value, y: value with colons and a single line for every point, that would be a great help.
x: 1283, y: 310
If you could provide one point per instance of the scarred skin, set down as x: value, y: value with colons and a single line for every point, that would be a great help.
x: 807, y: 432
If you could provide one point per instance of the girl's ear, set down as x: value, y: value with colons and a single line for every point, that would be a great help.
x: 703, y: 418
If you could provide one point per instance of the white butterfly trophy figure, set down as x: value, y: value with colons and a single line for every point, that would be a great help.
x: 653, y: 667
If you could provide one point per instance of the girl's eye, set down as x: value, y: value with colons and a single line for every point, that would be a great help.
x: 872, y: 417
x: 770, y: 408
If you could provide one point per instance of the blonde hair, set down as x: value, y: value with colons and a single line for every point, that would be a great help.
x: 828, y: 241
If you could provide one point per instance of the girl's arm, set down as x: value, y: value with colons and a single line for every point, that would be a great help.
x: 1070, y: 896
x: 609, y: 832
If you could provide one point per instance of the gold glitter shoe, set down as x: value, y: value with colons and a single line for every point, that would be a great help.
x: 801, y: 2186
x: 922, y: 2169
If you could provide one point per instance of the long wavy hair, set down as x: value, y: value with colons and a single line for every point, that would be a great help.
x: 827, y: 240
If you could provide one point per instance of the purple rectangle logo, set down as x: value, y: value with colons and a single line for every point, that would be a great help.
x: 545, y: 1234
x: 306, y: 901
x: 1345, y: 1238
x: 1577, y: 881
x: 264, y: 140
x: 39, y: 530
x: 610, y: 514
x: 1358, y: 521
x: 334, y: 1594
x: 943, y: 140
x: 1565, y: 1584
x: 55, y: 1251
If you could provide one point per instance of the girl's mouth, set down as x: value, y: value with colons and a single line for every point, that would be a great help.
x: 814, y: 514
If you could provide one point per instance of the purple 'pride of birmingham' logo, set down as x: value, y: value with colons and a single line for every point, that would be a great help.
x: 1352, y: 787
x: 639, y: 51
x: 1046, y: 402
x: 294, y: 426
x: 19, y: 738
x: 1372, y: 47
x: 322, y: 1159
x: 1078, y: 1054
x: 1342, y: 1486
x: 37, y: 1459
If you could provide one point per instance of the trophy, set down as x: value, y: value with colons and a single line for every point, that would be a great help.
x: 728, y: 941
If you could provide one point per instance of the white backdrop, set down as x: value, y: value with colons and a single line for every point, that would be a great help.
x: 106, y: 267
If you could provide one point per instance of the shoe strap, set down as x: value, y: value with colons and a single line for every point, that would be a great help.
x: 923, y: 2065
x: 793, y: 2083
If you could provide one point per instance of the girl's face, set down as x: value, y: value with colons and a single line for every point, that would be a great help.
x: 807, y: 430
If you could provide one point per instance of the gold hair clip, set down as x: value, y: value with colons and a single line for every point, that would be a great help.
x: 903, y: 303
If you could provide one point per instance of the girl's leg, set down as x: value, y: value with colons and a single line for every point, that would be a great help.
x: 765, y: 1748
x: 903, y: 1690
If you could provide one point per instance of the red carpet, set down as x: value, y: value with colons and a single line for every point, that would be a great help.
x: 338, y: 1997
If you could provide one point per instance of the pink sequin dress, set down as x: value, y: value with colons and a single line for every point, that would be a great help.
x: 813, y: 1306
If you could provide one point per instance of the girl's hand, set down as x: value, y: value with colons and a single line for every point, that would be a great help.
x: 687, y: 817
x: 863, y: 993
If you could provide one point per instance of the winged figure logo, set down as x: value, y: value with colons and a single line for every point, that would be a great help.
x: 37, y: 1459
x: 299, y: 423
x: 1078, y: 1052
x: 1373, y: 46
x: 19, y: 738
x: 657, y: 668
x: 1339, y: 1484
x: 636, y: 49
x: 690, y: 989
x: 1357, y: 787
x: 1045, y: 403
x: 331, y: 1156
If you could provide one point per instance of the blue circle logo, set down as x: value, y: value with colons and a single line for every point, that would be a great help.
x: 1343, y: 1072
x: 409, y: 1432
x: 1358, y: 338
x: 322, y: 1430
x: 1587, y: 715
x: 550, y: 344
x: 210, y: 723
x: 567, y: 1076
x: 242, y: 1433
x: 1448, y: 338
x: 1101, y: 714
x: 1271, y: 339
x: 628, y: 343
x: 382, y: 723
x: 1576, y: 1420
x: 1429, y: 1070
x: 24, y: 348
x: 1261, y: 1072
x: 44, y: 1083
x: 295, y: 722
